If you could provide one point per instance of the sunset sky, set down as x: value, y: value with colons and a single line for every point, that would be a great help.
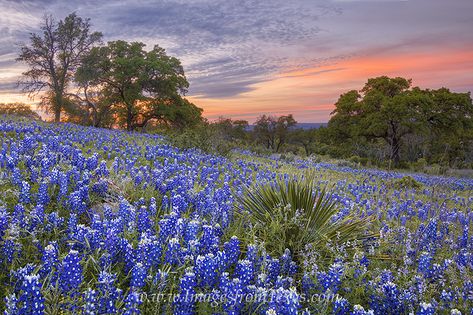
x: 251, y: 57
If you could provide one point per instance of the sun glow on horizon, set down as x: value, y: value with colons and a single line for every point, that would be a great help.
x: 310, y: 93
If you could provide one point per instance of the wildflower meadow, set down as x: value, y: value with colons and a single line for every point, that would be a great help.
x: 100, y: 221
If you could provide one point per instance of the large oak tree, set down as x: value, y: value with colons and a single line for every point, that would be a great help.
x: 140, y: 85
x: 390, y: 110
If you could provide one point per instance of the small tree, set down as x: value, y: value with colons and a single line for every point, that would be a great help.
x: 305, y: 138
x: 18, y: 109
x: 52, y: 58
x: 273, y: 132
x: 382, y: 111
x: 231, y: 130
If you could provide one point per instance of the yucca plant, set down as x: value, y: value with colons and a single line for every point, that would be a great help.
x: 294, y: 213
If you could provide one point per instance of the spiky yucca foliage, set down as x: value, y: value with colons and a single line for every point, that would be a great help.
x: 293, y: 213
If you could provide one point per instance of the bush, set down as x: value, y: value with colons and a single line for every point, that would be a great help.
x: 359, y: 160
x: 407, y: 182
x: 292, y: 214
x: 419, y: 165
x: 203, y: 137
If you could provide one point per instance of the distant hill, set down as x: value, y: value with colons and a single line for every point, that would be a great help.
x: 301, y: 126
x: 310, y: 125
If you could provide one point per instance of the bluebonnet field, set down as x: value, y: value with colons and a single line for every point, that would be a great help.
x: 99, y: 221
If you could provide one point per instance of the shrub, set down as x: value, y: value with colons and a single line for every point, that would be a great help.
x: 407, y: 182
x: 292, y: 214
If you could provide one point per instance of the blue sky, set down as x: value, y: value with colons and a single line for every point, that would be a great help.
x: 245, y: 58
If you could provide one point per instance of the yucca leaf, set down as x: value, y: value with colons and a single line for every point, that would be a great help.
x: 309, y: 213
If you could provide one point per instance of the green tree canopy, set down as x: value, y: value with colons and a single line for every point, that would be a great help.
x: 140, y: 85
x: 18, y: 109
x: 389, y: 109
x: 273, y: 131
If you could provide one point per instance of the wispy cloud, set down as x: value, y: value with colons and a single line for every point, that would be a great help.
x: 232, y: 48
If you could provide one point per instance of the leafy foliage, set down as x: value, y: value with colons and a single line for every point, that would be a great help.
x: 272, y: 131
x: 18, y: 109
x: 292, y: 214
x: 140, y: 85
x: 412, y: 123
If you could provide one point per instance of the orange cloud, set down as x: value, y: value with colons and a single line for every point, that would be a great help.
x: 310, y: 93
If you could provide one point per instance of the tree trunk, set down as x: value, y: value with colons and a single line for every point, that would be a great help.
x: 307, y: 149
x: 57, y: 107
x: 95, y: 119
x: 57, y: 115
x: 129, y: 120
x: 395, y: 150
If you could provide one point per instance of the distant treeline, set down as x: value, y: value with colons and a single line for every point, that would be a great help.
x: 387, y: 123
x: 121, y: 85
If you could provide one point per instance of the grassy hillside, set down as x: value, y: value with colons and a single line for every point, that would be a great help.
x: 97, y: 221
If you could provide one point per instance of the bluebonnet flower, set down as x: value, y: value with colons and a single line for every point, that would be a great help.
x: 72, y: 226
x: 54, y: 221
x: 307, y: 284
x: 149, y: 250
x: 11, y: 305
x: 244, y: 271
x: 90, y: 302
x: 152, y: 207
x: 4, y: 218
x: 25, y: 192
x: 129, y: 254
x: 144, y: 220
x: 341, y: 306
x: 108, y: 293
x: 9, y: 249
x: 173, y: 252
x: 364, y: 261
x: 70, y: 273
x: 37, y: 216
x: 160, y: 280
x: 332, y: 279
x: 286, y: 260
x: 252, y: 254
x: 132, y: 303
x: 284, y: 301
x: 19, y: 217
x: 232, y: 250
x: 185, y: 303
x: 138, y: 275
x: 43, y: 194
x: 63, y: 185
x: 232, y: 291
x: 16, y: 178
x: 447, y: 296
x: 425, y: 264
x: 49, y: 260
x: 389, y: 300
x: 206, y: 269
x: 100, y: 187
x: 274, y: 269
x: 425, y: 309
x: 102, y: 170
x: 209, y: 240
x: 31, y: 300
x: 359, y: 310
x: 192, y: 230
x: 167, y: 226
